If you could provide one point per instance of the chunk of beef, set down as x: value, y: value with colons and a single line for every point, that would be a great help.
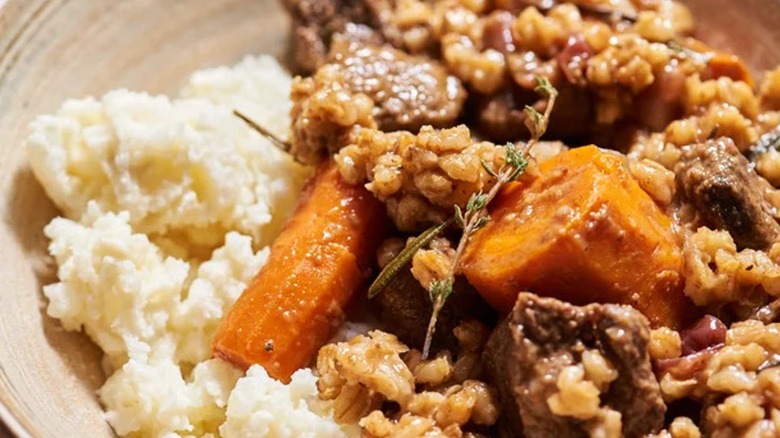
x: 315, y: 22
x: 405, y: 309
x: 371, y: 86
x: 408, y: 91
x: 719, y: 181
x: 541, y: 336
x: 500, y: 117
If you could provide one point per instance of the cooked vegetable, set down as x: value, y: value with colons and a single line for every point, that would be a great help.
x: 724, y: 64
x: 583, y: 232
x: 320, y: 260
x: 719, y: 63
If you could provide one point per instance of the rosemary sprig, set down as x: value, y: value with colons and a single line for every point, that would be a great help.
x: 278, y: 142
x: 475, y: 215
x: 683, y: 52
x: 405, y: 256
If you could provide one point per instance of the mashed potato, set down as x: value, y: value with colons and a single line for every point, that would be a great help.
x: 184, y: 169
x: 121, y: 289
x: 169, y: 208
x: 258, y: 400
x: 246, y: 88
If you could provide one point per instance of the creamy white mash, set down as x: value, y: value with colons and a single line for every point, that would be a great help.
x: 169, y: 207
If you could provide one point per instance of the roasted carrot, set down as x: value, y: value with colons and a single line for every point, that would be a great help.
x: 322, y: 257
x: 583, y: 231
x: 724, y: 64
x: 721, y: 64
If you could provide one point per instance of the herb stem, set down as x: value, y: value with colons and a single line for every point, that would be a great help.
x: 476, y: 215
x: 545, y: 121
x: 471, y: 219
x: 437, y: 306
x: 278, y: 142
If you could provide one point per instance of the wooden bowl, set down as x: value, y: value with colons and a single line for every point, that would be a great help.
x: 51, y: 50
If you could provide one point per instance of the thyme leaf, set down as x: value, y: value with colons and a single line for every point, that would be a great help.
x: 476, y: 202
x: 543, y: 87
x: 516, y: 160
x: 404, y: 257
x: 487, y: 168
x: 533, y: 119
x: 440, y: 289
x: 481, y: 222
x: 459, y: 219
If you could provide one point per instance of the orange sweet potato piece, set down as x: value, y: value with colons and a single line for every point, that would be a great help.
x: 322, y: 257
x: 583, y: 232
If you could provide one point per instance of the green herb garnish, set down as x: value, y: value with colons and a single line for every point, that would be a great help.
x: 475, y: 215
x: 404, y: 257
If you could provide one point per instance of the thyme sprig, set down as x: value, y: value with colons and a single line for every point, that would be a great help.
x: 475, y: 215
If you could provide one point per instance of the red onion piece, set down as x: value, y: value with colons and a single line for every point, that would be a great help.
x: 573, y: 59
x: 686, y: 367
x: 707, y: 332
x: 497, y: 34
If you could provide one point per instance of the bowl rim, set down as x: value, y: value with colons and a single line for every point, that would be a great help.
x: 15, y: 417
x: 12, y: 422
x: 21, y: 15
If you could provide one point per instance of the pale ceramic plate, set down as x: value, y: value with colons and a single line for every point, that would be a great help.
x: 51, y: 50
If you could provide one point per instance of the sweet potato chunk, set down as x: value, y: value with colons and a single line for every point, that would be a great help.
x: 583, y: 232
x: 319, y: 261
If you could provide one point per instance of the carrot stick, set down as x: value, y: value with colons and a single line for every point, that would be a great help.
x: 322, y: 257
